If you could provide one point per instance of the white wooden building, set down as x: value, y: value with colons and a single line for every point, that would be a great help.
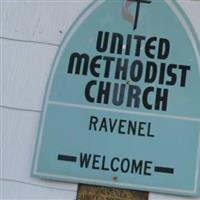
x: 31, y: 32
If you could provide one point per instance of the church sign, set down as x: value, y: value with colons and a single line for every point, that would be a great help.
x: 122, y: 101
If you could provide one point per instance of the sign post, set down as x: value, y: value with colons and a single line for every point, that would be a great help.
x: 104, y: 193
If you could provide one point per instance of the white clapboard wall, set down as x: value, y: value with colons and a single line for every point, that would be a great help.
x: 31, y: 32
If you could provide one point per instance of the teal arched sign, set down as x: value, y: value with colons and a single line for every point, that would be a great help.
x: 122, y: 102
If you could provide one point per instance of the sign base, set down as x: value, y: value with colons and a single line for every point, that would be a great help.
x: 88, y: 192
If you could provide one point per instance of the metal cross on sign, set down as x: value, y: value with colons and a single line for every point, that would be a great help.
x: 138, y: 3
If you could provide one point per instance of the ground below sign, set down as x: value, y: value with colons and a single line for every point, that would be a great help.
x: 122, y: 101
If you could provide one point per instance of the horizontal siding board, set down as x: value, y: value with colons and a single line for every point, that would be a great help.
x: 43, y: 21
x: 169, y: 197
x: 14, y: 190
x: 25, y: 70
